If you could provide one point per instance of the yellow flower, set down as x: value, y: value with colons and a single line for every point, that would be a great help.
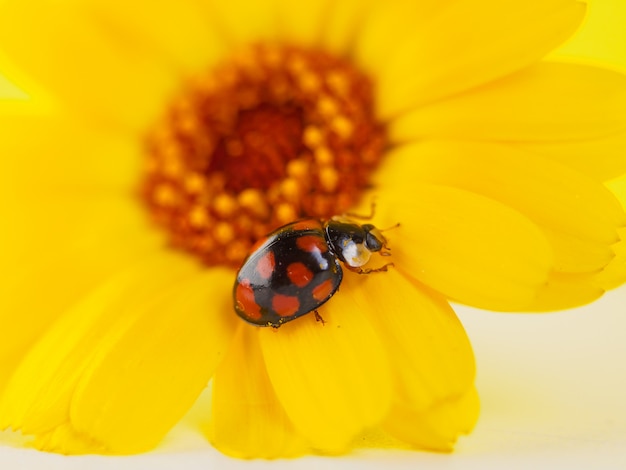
x: 160, y: 136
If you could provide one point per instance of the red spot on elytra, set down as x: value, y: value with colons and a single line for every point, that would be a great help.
x: 285, y: 305
x: 299, y: 274
x: 265, y: 265
x: 322, y: 291
x: 312, y: 243
x: 244, y: 298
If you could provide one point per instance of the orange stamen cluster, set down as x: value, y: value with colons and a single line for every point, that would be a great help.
x: 275, y: 134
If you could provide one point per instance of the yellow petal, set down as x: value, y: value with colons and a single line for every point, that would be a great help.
x: 577, y: 255
x: 333, y: 379
x: 341, y: 24
x: 566, y: 290
x: 578, y: 215
x: 52, y: 234
x: 87, y: 241
x: 9, y: 92
x: 147, y: 374
x: 39, y: 394
x: 179, y: 34
x: 454, y: 46
x: 470, y: 248
x: 617, y: 186
x: 614, y: 273
x: 66, y: 437
x: 385, y: 26
x: 244, y: 21
x: 38, y: 186
x: 64, y: 49
x: 601, y: 39
x: 66, y: 156
x: 22, y: 102
x: 248, y: 420
x: 302, y: 22
x: 601, y: 159
x: 437, y: 428
x: 546, y: 102
x: 432, y: 358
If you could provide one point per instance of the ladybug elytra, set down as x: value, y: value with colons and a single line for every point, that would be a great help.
x: 296, y: 268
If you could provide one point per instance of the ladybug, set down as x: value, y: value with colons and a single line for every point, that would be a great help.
x: 296, y: 269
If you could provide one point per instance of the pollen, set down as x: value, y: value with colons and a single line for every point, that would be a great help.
x: 329, y: 178
x: 290, y: 189
x: 298, y: 169
x: 286, y: 213
x: 269, y: 136
x: 198, y: 217
x: 323, y: 156
x: 225, y: 205
x: 313, y: 137
x: 223, y: 232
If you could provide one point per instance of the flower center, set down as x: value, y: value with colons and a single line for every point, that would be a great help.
x: 273, y: 135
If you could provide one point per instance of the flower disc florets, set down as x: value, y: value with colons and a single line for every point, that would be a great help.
x: 274, y: 134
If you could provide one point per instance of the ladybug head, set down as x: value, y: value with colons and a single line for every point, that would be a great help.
x: 353, y: 243
x: 374, y: 239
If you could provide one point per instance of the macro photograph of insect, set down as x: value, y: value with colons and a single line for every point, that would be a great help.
x: 349, y: 234
x: 297, y: 268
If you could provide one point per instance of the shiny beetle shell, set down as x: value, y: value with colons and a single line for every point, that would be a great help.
x: 296, y: 269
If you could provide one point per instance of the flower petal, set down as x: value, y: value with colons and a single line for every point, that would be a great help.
x: 577, y: 255
x: 10, y: 94
x: 88, y: 248
x: 432, y: 358
x: 470, y: 248
x: 614, y: 273
x: 67, y: 51
x: 601, y: 159
x: 259, y: 23
x: 144, y: 378
x: 333, y: 379
x: 248, y: 420
x: 566, y: 290
x: 51, y: 386
x: 618, y: 187
x: 578, y: 215
x: 68, y: 330
x: 52, y: 235
x: 341, y: 24
x: 67, y: 155
x: 437, y: 428
x: 546, y: 102
x: 386, y: 25
x: 180, y: 34
x: 448, y: 47
x: 302, y: 22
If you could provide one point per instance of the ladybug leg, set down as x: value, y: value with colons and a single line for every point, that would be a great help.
x: 360, y: 270
x: 369, y: 216
x: 318, y: 317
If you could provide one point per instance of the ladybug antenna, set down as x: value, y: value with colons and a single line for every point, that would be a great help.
x: 369, y: 216
x: 389, y: 228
